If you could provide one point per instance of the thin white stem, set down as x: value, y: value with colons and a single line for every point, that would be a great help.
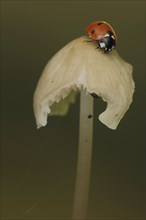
x: 80, y: 204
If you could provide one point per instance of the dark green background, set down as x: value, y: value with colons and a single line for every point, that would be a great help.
x: 38, y: 166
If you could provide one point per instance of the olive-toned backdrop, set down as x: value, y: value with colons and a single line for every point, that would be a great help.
x: 38, y: 166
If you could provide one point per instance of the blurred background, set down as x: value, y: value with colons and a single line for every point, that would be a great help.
x: 38, y: 167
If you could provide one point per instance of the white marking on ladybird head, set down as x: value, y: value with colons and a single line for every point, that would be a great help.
x: 112, y: 36
x: 102, y: 45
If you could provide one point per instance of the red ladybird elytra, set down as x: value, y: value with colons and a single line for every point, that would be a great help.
x: 103, y: 34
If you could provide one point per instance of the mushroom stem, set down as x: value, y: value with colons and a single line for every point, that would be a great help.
x: 80, y: 204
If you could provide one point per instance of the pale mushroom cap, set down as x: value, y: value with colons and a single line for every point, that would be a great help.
x: 80, y: 65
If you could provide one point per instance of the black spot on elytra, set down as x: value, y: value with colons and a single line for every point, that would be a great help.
x: 100, y: 23
x: 93, y: 31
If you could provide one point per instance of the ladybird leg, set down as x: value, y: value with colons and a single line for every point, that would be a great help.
x: 98, y: 45
x: 89, y: 40
x: 106, y: 50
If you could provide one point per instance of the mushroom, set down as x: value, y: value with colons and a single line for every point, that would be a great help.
x: 80, y: 66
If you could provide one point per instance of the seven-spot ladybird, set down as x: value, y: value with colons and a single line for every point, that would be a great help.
x: 103, y: 34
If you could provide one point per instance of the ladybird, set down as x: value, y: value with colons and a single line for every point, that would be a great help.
x: 102, y: 33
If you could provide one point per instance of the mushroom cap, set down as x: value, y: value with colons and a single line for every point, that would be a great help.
x: 80, y: 65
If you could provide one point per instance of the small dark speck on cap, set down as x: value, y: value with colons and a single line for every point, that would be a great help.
x: 89, y: 116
